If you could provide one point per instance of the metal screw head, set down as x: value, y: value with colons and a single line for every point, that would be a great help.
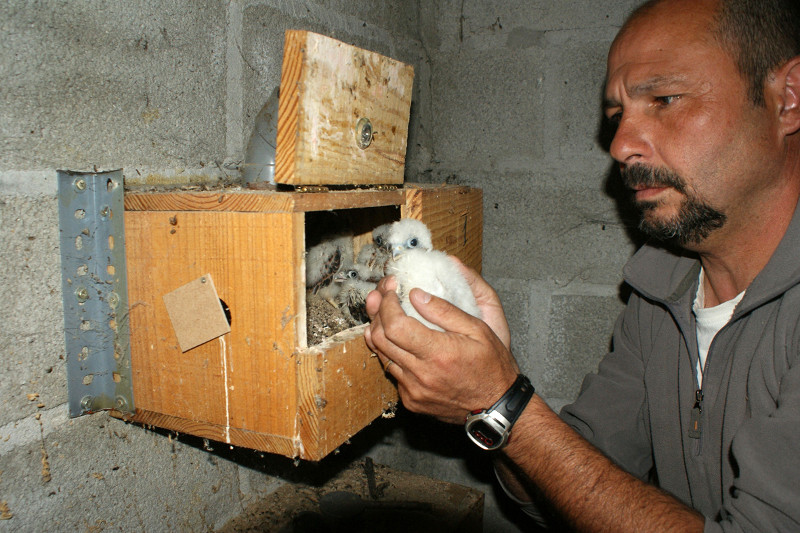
x: 79, y: 184
x: 82, y: 294
x: 120, y: 403
x: 105, y: 211
x: 113, y: 300
x: 86, y: 403
x: 363, y: 133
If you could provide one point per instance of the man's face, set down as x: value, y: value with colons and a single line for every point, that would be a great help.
x: 691, y: 147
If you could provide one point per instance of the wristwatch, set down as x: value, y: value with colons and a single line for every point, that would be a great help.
x: 490, y: 428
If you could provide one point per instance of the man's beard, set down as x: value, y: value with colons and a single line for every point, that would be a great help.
x: 695, y: 219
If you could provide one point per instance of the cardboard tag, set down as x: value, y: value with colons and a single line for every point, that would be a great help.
x: 196, y: 313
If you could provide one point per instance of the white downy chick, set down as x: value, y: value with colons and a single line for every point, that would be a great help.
x: 324, y: 260
x: 375, y: 254
x: 415, y: 263
x: 352, y: 297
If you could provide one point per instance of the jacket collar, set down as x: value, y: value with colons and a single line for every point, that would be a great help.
x: 670, y: 275
x: 662, y: 274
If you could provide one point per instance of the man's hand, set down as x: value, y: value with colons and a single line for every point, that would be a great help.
x: 443, y: 374
x: 488, y: 302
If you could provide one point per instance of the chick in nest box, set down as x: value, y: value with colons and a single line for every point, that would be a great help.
x: 375, y: 254
x: 352, y: 296
x: 324, y: 260
x: 415, y: 263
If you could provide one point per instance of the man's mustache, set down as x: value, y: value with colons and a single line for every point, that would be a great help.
x: 638, y: 176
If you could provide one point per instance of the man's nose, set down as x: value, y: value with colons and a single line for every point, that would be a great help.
x: 632, y: 140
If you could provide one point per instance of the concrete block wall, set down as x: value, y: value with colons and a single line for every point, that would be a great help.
x: 506, y: 98
x: 516, y: 111
x: 166, y: 90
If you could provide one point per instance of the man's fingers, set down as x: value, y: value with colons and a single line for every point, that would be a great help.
x: 373, y: 304
x: 477, y: 284
x: 387, y: 284
x: 386, y: 342
x: 488, y: 302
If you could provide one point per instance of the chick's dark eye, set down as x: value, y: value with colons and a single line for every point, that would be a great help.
x: 352, y: 274
x: 379, y: 241
x: 413, y: 243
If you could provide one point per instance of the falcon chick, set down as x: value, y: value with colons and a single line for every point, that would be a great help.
x: 324, y: 260
x: 415, y: 263
x: 374, y: 255
x: 352, y: 296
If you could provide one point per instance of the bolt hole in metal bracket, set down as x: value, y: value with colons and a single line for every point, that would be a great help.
x: 95, y: 291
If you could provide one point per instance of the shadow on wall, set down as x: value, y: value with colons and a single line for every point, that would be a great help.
x: 614, y: 188
x: 419, y: 434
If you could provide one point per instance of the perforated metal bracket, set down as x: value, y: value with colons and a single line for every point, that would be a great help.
x: 95, y: 291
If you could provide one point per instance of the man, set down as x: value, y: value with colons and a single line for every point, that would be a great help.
x: 673, y: 433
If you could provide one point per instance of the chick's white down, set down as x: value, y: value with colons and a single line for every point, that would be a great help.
x: 415, y: 264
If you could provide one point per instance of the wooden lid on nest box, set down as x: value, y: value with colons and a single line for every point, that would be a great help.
x: 343, y: 114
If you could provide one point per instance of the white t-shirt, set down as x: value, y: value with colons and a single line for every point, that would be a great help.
x: 709, y: 321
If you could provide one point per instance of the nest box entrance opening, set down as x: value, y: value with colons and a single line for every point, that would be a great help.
x: 337, y: 278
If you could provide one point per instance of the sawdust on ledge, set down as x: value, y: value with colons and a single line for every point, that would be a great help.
x: 324, y: 320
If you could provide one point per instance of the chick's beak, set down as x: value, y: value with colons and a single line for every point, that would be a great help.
x: 397, y: 251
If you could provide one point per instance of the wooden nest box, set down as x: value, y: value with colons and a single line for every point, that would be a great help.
x: 257, y: 383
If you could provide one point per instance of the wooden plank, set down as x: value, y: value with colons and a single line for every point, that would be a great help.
x: 244, y: 379
x: 256, y: 441
x: 291, y: 89
x: 259, y: 386
x: 342, y: 389
x: 454, y: 214
x: 347, y: 200
x: 260, y: 201
x: 326, y: 87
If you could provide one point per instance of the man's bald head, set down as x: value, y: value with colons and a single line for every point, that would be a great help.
x: 760, y: 35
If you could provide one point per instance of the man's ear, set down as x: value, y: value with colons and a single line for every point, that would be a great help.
x: 786, y: 84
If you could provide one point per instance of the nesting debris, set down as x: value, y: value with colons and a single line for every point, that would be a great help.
x: 5, y: 513
x: 323, y: 320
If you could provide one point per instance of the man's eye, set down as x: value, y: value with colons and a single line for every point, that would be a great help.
x: 666, y: 100
x: 615, y: 118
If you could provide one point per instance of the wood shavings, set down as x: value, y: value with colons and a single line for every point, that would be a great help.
x: 46, y: 477
x: 323, y: 320
x: 390, y: 411
x: 5, y: 513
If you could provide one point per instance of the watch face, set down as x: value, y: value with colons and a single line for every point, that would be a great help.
x: 485, y: 435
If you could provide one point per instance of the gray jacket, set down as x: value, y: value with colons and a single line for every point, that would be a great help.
x: 743, y: 472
